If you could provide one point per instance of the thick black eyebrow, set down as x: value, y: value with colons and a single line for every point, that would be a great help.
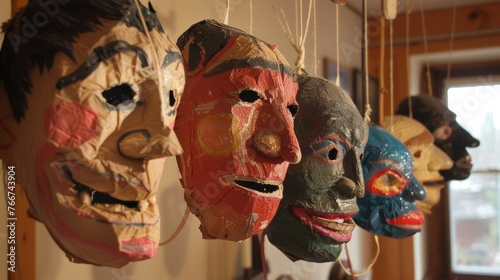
x: 98, y: 55
x: 253, y: 62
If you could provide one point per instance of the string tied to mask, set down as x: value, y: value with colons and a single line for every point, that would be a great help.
x: 350, y: 272
x: 299, y: 42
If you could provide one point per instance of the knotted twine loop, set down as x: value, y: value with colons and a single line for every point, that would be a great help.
x: 374, y: 259
x: 180, y: 226
x: 368, y: 111
x: 368, y: 108
x: 298, y: 44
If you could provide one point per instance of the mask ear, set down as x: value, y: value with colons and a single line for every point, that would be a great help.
x: 7, y: 124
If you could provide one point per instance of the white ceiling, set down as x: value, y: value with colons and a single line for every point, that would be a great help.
x: 374, y: 6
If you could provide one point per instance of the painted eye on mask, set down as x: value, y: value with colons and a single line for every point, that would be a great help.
x: 443, y: 132
x: 417, y: 154
x: 330, y: 150
x: 171, y: 98
x: 118, y: 94
x: 294, y: 108
x: 387, y: 182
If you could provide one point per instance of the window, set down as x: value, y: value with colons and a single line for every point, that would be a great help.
x: 474, y: 203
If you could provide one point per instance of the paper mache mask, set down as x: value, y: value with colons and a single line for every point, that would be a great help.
x: 448, y: 134
x: 428, y: 159
x: 235, y: 124
x: 388, y: 207
x: 319, y: 200
x: 90, y: 122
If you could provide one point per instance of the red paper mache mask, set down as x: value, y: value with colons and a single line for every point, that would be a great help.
x: 90, y: 121
x: 235, y: 124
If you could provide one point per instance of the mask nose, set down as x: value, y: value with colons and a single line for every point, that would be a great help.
x: 141, y: 144
x: 465, y: 139
x: 150, y: 134
x: 352, y: 181
x: 274, y: 137
x: 414, y: 191
x: 267, y: 142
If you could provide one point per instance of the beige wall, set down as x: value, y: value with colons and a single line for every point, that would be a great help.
x: 188, y: 256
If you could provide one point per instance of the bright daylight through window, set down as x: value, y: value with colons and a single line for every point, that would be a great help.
x: 475, y: 202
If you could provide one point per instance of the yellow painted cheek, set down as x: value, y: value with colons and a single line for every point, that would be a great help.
x: 217, y: 135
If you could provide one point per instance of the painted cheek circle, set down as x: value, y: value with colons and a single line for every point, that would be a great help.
x: 217, y: 135
x: 387, y: 182
x: 70, y: 124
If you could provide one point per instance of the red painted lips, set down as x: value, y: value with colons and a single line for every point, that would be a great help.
x: 338, y: 226
x: 412, y: 220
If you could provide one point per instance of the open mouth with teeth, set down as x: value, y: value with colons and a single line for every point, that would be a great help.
x: 89, y: 196
x: 338, y: 226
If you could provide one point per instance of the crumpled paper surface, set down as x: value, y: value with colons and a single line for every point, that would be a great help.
x: 236, y: 128
x: 388, y: 207
x: 91, y: 123
x: 314, y: 218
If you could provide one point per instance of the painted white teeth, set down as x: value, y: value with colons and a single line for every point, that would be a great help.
x: 142, y: 205
x: 335, y: 224
x: 85, y: 197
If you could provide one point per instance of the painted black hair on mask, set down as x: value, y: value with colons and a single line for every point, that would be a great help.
x: 44, y: 27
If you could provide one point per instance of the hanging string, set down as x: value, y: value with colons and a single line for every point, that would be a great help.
x: 452, y: 35
x: 297, y: 45
x: 226, y: 13
x: 382, y: 88
x: 372, y: 262
x: 251, y: 17
x: 160, y: 88
x: 150, y: 41
x: 179, y: 228
x: 391, y: 68
x: 368, y: 108
x: 337, y: 38
x: 182, y: 223
x: 296, y: 20
x: 263, y: 254
x: 300, y: 21
x: 429, y: 81
x: 349, y: 263
x: 409, y: 7
x: 315, y: 45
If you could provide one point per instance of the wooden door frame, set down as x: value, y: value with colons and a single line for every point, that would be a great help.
x: 25, y: 268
